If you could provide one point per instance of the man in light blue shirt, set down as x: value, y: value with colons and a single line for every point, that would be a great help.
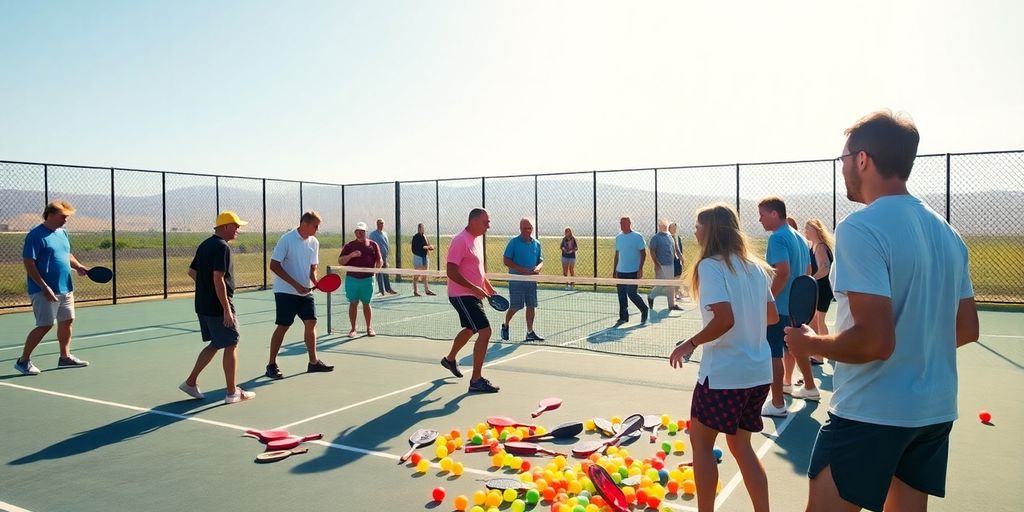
x: 381, y: 238
x: 629, y: 264
x: 523, y: 256
x: 905, y: 304
x: 663, y: 258
x: 788, y: 254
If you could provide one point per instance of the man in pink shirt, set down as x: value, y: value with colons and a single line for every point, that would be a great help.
x: 467, y: 286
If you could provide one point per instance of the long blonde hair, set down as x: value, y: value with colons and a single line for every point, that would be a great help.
x: 724, y: 239
x: 823, y: 234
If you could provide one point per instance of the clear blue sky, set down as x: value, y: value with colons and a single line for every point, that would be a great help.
x: 389, y: 90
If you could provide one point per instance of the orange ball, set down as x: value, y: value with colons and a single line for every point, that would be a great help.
x: 454, y: 433
x: 460, y: 502
x: 673, y: 487
x: 689, y: 487
x: 653, y: 502
x: 548, y: 493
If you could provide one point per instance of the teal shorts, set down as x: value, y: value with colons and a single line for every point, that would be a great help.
x: 359, y: 289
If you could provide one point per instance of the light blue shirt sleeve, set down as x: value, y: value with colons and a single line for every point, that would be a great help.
x: 863, y: 267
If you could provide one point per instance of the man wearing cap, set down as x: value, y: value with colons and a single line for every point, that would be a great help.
x: 48, y: 263
x: 361, y: 252
x: 294, y: 264
x: 214, y: 273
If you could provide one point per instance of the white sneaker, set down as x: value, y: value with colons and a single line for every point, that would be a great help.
x: 787, y: 389
x: 239, y: 395
x: 807, y: 394
x: 192, y: 391
x: 769, y: 409
x: 26, y: 368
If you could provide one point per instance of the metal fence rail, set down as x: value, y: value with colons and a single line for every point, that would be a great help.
x: 146, y: 224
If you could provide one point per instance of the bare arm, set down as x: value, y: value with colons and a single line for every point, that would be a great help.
x: 654, y: 258
x: 871, y: 338
x: 512, y: 265
x: 192, y: 273
x: 643, y: 259
x: 821, y: 258
x: 313, y: 272
x: 781, y: 274
x: 222, y: 295
x: 773, y: 314
x: 615, y: 265
x: 82, y: 269
x: 967, y: 329
x: 721, y: 321
x: 36, y: 277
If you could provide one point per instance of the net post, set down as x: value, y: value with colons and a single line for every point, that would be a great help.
x: 113, y: 240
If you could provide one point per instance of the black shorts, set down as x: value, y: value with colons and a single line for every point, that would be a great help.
x: 776, y: 336
x: 863, y: 458
x: 471, y: 312
x: 825, y: 295
x: 289, y: 305
x: 213, y: 330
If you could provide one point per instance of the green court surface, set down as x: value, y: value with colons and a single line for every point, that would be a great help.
x: 120, y: 435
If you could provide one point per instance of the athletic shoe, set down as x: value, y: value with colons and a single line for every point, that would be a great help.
x: 192, y: 391
x: 482, y: 385
x: 650, y: 302
x: 239, y: 395
x: 319, y: 366
x: 352, y: 333
x: 621, y: 321
x: 504, y: 332
x: 676, y: 307
x: 816, y: 361
x: 643, y: 316
x: 451, y: 366
x: 807, y: 394
x: 428, y: 292
x: 787, y: 389
x: 26, y: 368
x: 273, y: 372
x: 71, y: 362
x: 532, y: 336
x: 769, y: 409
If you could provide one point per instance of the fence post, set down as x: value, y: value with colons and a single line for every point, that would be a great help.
x: 113, y: 240
x: 483, y: 204
x: 343, y: 225
x: 46, y: 184
x: 738, y: 214
x: 536, y: 210
x: 265, y: 228
x: 216, y: 193
x: 398, y: 229
x: 834, y: 192
x: 437, y: 224
x: 163, y: 207
x: 656, y: 217
x: 594, y: 210
x: 949, y: 169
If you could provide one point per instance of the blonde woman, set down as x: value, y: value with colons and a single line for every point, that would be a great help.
x: 732, y: 287
x: 822, y: 245
x: 569, y: 248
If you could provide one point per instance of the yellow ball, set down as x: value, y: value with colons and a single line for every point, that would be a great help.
x: 616, y: 419
x: 665, y: 420
x: 575, y: 487
x: 541, y: 484
x: 477, y: 509
x: 446, y: 464
x: 507, y: 460
x: 510, y: 495
x: 457, y: 468
x: 493, y: 499
x: 479, y: 497
x: 679, y: 446
x: 481, y: 427
x: 613, y: 450
x: 516, y: 463
x: 540, y: 431
x: 423, y: 465
x: 560, y: 461
x: 441, y: 441
x: 592, y: 508
x: 589, y: 425
x: 688, y: 474
x: 441, y: 451
x: 498, y: 460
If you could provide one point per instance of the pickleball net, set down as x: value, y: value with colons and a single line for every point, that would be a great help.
x: 580, y: 315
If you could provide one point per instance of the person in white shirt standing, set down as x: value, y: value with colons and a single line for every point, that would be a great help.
x: 733, y: 289
x: 905, y: 304
x: 294, y: 264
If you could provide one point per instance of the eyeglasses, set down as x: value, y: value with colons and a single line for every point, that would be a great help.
x: 839, y: 159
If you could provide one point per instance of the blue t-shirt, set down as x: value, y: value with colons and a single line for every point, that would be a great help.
x: 661, y: 244
x: 629, y: 246
x: 523, y: 253
x: 381, y: 237
x: 52, y: 252
x: 898, y: 247
x: 787, y: 246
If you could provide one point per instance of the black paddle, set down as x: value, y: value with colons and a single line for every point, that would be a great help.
x: 803, y: 298
x: 571, y: 429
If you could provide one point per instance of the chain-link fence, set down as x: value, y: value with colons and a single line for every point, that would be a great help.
x: 147, y: 224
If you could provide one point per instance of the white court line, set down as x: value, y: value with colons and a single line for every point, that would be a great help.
x: 94, y: 336
x: 1000, y: 336
x: 738, y: 477
x: 414, y: 386
x: 214, y: 423
x: 11, y: 508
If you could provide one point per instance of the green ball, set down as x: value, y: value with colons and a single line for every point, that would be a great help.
x: 478, y: 439
x: 673, y: 428
x: 666, y: 447
x: 579, y: 508
x: 518, y: 506
x: 623, y: 472
x: 616, y: 478
x: 583, y: 500
x: 532, y: 496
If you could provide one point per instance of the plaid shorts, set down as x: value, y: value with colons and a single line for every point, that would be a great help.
x: 726, y: 410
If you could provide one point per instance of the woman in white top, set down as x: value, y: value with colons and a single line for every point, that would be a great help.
x: 732, y: 287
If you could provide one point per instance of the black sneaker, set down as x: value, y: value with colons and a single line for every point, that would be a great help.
x: 451, y: 366
x: 273, y: 372
x: 643, y: 316
x: 621, y: 321
x: 532, y: 336
x: 319, y: 366
x: 504, y: 332
x: 650, y: 302
x: 482, y: 385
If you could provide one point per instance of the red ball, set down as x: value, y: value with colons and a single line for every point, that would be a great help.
x: 985, y: 416
x: 438, y: 494
x: 415, y: 458
x: 526, y: 466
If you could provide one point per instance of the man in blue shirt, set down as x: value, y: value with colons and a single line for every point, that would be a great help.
x: 48, y: 263
x: 523, y: 256
x: 380, y: 237
x: 629, y: 264
x: 788, y: 255
x: 905, y: 304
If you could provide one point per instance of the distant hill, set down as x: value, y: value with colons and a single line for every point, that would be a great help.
x: 562, y: 203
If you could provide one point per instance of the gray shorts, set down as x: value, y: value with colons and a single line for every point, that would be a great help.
x: 213, y: 330
x: 522, y: 293
x: 47, y: 312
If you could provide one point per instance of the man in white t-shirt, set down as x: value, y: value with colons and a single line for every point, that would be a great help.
x: 905, y: 304
x: 294, y: 264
